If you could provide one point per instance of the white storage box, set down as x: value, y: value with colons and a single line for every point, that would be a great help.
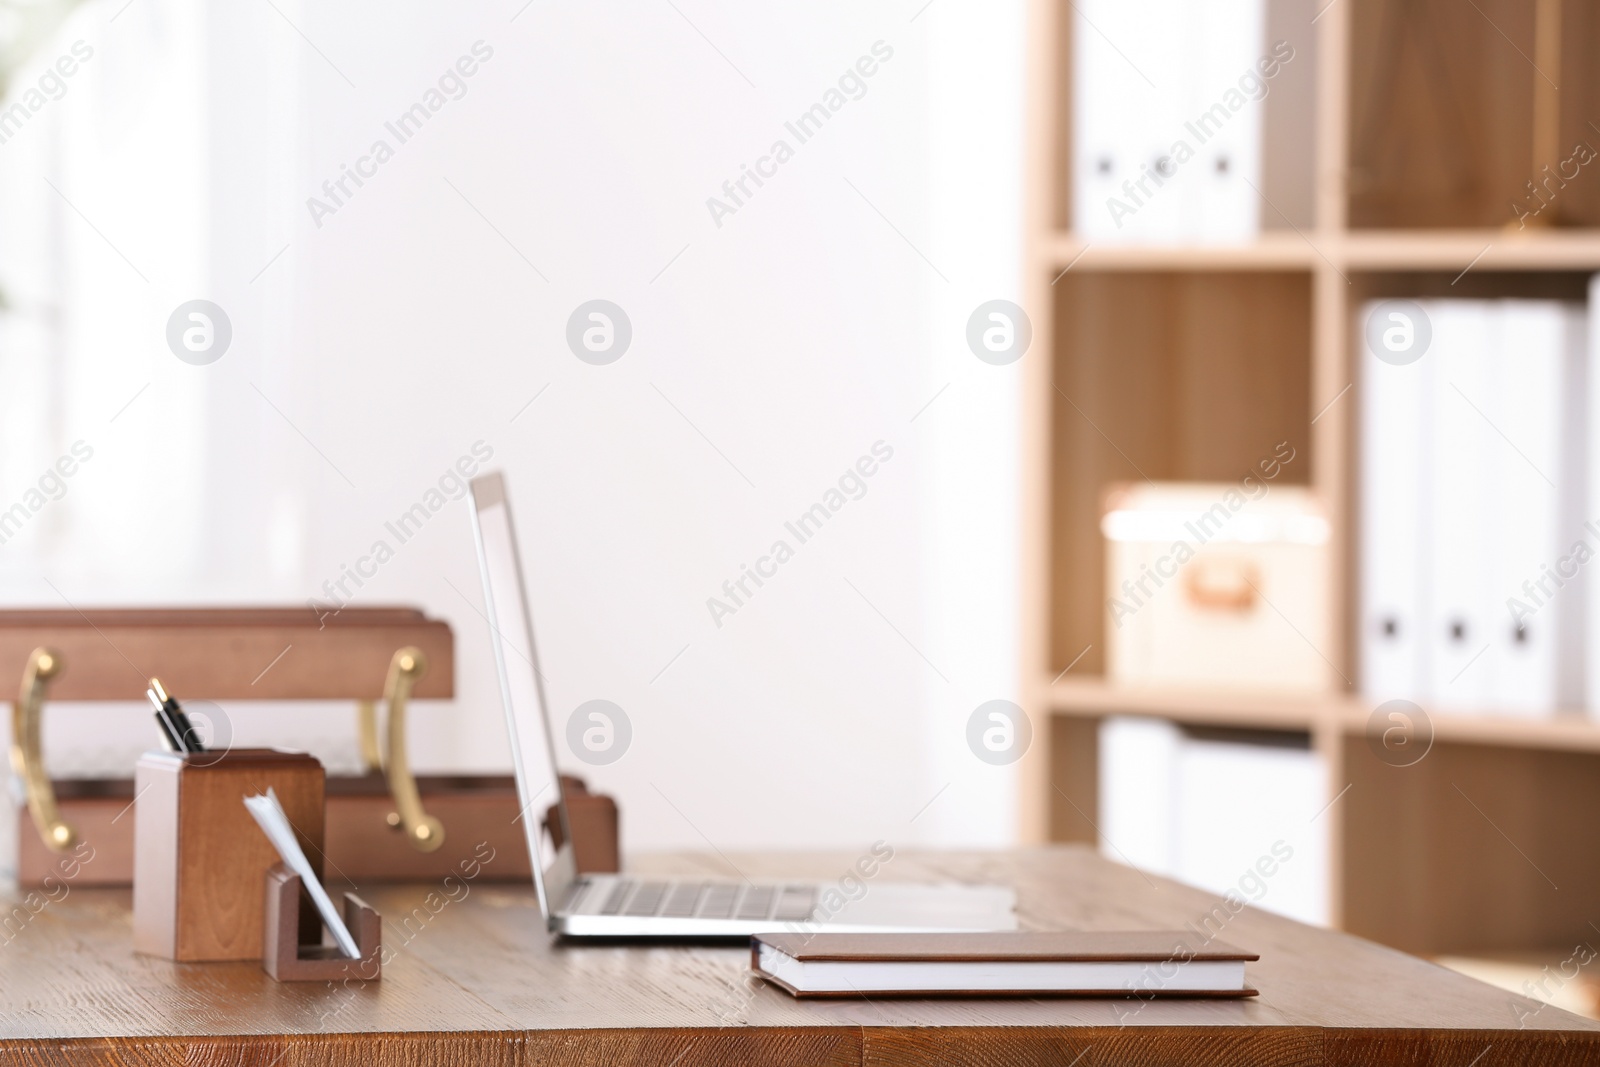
x: 1217, y: 584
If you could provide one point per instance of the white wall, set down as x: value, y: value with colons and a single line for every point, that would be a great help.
x: 769, y: 355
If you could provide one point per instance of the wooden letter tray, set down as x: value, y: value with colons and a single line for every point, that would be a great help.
x: 232, y: 654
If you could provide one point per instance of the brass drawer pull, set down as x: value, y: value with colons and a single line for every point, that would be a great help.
x: 26, y: 756
x: 423, y: 831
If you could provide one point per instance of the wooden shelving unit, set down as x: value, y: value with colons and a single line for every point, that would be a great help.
x: 1433, y: 250
x: 1191, y: 362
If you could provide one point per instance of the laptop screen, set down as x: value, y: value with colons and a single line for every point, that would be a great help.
x: 521, y: 686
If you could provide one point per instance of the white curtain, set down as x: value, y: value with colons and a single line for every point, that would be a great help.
x: 110, y: 217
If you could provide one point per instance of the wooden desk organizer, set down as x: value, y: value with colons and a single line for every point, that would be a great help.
x: 288, y: 956
x: 367, y: 654
x: 199, y: 855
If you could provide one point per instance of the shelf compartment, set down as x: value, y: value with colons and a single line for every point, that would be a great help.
x: 1476, y: 114
x: 1442, y: 106
x: 1172, y: 376
x: 1287, y: 178
x: 1475, y: 848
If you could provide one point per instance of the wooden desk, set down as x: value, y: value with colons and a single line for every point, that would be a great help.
x: 477, y: 981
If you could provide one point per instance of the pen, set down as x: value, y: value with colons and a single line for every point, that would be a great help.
x: 174, y: 723
x: 168, y: 731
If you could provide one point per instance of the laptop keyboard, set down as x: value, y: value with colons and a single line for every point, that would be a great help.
x: 707, y: 900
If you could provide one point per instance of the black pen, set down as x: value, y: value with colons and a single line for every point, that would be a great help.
x: 174, y: 740
x: 174, y: 723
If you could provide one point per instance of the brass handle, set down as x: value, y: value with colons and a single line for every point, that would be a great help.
x: 26, y: 757
x: 423, y: 831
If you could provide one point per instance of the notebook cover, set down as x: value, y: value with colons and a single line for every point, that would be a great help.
x: 1013, y: 946
x: 1079, y: 946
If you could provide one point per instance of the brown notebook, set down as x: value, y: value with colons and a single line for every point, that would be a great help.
x: 1013, y: 963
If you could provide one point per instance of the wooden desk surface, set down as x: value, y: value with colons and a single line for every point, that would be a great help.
x: 475, y: 980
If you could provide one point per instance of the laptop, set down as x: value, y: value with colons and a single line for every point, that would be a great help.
x: 616, y: 906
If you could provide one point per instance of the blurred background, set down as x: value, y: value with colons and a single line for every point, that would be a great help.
x: 1221, y: 369
x: 423, y: 320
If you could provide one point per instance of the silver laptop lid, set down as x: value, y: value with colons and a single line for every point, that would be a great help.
x: 521, y: 687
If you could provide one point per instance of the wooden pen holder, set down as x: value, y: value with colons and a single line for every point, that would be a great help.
x: 288, y: 956
x: 199, y: 855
